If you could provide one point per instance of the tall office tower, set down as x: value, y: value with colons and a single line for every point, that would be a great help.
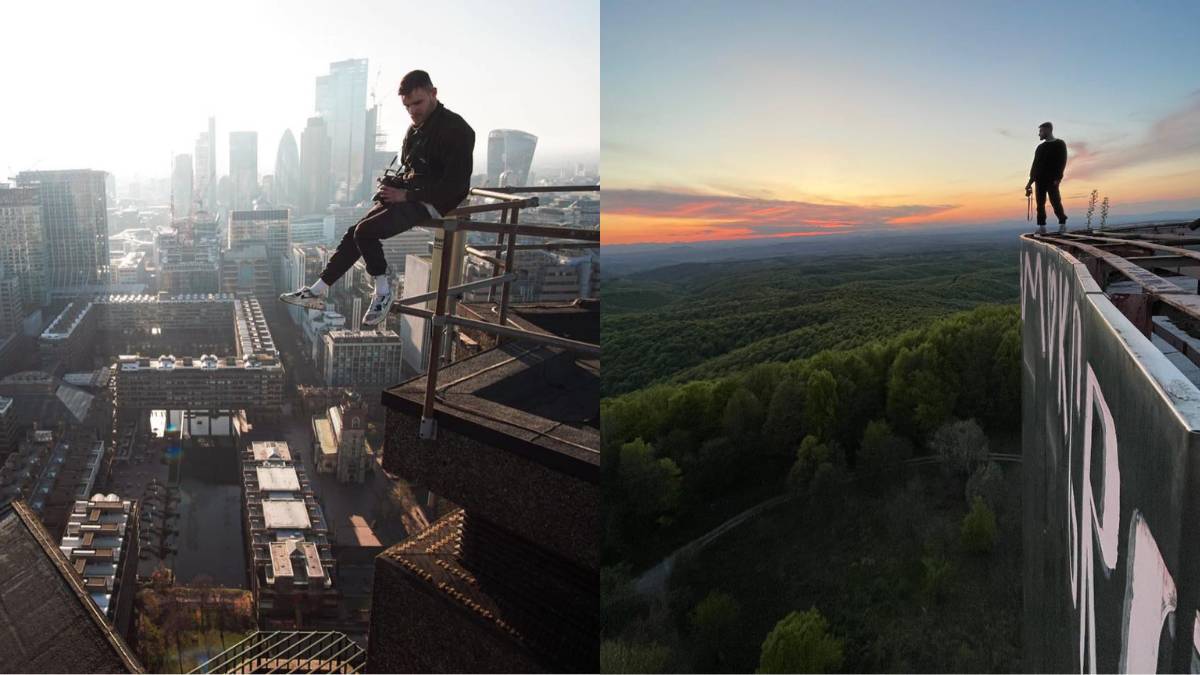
x: 11, y: 312
x: 361, y: 359
x: 271, y: 227
x: 341, y: 100
x: 206, y: 167
x: 371, y: 137
x: 243, y: 168
x: 22, y: 244
x: 74, y: 226
x: 315, y: 174
x: 287, y: 172
x: 509, y: 152
x: 224, y: 193
x: 266, y: 196
x: 181, y: 187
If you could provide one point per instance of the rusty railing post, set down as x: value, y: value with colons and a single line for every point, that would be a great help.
x: 508, y: 265
x: 428, y: 424
x: 496, y: 265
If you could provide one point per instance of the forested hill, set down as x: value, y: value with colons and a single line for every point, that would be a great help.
x: 701, y: 320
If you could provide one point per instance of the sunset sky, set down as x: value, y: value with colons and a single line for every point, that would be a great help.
x: 725, y: 120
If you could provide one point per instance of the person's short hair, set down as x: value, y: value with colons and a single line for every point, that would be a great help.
x: 1047, y: 126
x: 416, y: 79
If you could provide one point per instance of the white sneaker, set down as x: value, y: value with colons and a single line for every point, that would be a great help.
x: 378, y: 311
x: 304, y: 298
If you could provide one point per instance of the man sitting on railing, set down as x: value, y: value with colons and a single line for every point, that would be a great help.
x: 434, y: 178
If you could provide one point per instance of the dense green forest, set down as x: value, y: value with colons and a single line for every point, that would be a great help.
x: 876, y: 561
x: 701, y: 320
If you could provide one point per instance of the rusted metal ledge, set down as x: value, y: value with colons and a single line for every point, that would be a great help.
x: 1159, y: 297
x: 503, y: 274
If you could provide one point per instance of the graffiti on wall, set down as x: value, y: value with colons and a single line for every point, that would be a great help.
x: 1080, y: 422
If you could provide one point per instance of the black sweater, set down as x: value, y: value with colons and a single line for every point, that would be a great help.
x: 436, y: 157
x: 1049, y: 160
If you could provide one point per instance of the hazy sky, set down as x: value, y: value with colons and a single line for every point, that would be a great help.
x: 122, y: 86
x: 725, y: 120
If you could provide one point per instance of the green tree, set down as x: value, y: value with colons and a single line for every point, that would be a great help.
x: 821, y: 403
x: 1005, y: 376
x: 987, y: 483
x: 801, y: 643
x: 152, y: 645
x: 722, y: 391
x: 979, y: 528
x: 762, y: 379
x: 881, y: 451
x: 921, y: 389
x: 679, y: 445
x: 640, y: 414
x: 743, y: 418
x: 962, y: 445
x: 619, y: 602
x: 784, y: 426
x: 936, y: 573
x: 714, y: 620
x: 809, y: 457
x: 688, y: 406
x: 618, y: 656
x: 715, y: 467
x: 650, y: 486
x: 825, y: 488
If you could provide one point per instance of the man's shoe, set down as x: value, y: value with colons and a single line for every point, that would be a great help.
x: 304, y: 298
x: 1062, y: 228
x: 378, y: 311
x: 1041, y: 229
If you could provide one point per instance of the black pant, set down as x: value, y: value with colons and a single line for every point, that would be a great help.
x: 362, y: 238
x: 1044, y: 188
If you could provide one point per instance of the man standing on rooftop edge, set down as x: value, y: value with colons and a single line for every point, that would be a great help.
x: 1049, y: 161
x: 434, y: 178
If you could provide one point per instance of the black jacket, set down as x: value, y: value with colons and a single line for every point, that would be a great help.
x: 1049, y: 161
x: 436, y: 159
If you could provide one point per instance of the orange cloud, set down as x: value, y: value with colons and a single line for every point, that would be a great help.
x: 618, y: 228
x: 644, y: 216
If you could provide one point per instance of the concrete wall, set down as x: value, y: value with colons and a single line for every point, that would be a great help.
x: 1110, y: 455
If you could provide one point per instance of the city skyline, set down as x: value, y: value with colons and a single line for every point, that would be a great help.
x: 919, y: 122
x: 133, y: 130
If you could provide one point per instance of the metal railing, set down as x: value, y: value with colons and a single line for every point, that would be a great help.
x: 508, y: 203
x: 289, y: 652
x: 1144, y: 255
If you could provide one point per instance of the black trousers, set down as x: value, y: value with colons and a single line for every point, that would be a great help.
x: 362, y: 238
x: 1045, y: 188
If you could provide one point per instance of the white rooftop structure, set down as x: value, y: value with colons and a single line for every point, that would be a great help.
x: 278, y: 479
x: 265, y: 450
x: 286, y: 514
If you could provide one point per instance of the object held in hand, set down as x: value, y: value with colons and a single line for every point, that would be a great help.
x: 389, y: 181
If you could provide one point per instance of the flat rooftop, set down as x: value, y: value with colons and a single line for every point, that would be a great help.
x: 538, y: 401
x: 325, y: 440
x: 264, y: 450
x: 286, y: 514
x: 278, y: 479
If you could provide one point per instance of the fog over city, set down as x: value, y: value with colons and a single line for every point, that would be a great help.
x: 122, y: 88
